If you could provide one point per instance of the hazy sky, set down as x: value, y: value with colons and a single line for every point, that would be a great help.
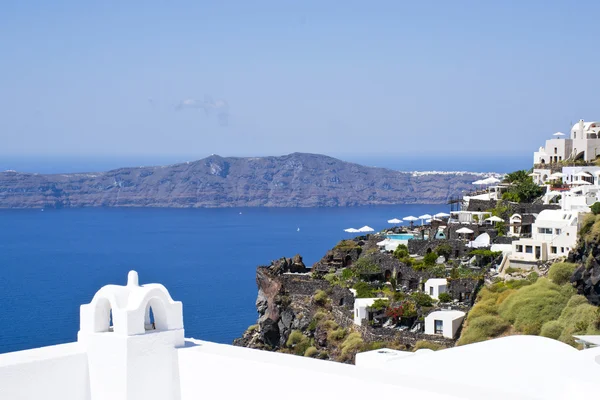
x: 274, y: 77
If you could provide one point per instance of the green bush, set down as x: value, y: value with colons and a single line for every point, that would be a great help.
x: 430, y: 259
x: 424, y: 344
x: 347, y: 245
x: 444, y: 250
x: 351, y: 345
x: 401, y: 249
x: 531, y: 306
x: 328, y: 325
x: 595, y: 208
x: 445, y: 297
x: 365, y: 266
x: 380, y: 304
x: 335, y: 335
x: 422, y: 299
x: 294, y: 338
x: 561, y: 272
x: 311, y: 352
x: 578, y: 317
x: 363, y: 290
x: 552, y: 329
x: 483, y: 328
x: 320, y: 297
x: 347, y: 274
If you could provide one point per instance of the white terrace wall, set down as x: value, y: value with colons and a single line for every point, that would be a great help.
x: 53, y: 372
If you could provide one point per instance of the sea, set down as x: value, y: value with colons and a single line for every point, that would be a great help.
x: 52, y: 261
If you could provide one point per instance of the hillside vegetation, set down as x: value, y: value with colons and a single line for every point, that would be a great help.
x: 533, y: 306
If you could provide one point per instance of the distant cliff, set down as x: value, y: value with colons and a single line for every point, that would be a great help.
x: 295, y: 180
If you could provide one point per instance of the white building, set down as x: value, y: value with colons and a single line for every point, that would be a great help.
x: 553, y: 235
x: 445, y: 323
x: 436, y: 286
x: 361, y: 309
x: 583, y: 143
x: 141, y: 355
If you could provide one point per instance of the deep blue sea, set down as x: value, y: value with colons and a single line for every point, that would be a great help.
x: 55, y: 260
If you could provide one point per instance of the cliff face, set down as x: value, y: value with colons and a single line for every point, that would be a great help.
x: 295, y: 180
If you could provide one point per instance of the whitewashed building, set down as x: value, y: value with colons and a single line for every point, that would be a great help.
x: 436, y: 286
x: 361, y: 309
x: 444, y: 322
x: 141, y: 354
x: 554, y: 234
x: 582, y: 143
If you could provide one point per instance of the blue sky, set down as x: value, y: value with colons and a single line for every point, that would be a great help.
x: 239, y: 78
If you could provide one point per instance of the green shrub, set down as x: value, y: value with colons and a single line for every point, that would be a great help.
x: 351, y: 345
x: 311, y: 352
x: 294, y: 338
x: 380, y: 304
x: 401, y: 251
x: 552, y: 329
x: 335, y: 335
x: 328, y: 325
x: 424, y: 344
x: 578, y: 317
x: 347, y: 245
x: 530, y: 307
x: 595, y: 208
x: 444, y: 250
x: 561, y: 272
x: 347, y: 274
x: 430, y: 259
x: 445, y: 297
x: 483, y: 328
x: 365, y: 267
x: 422, y: 299
x: 320, y: 298
x: 252, y: 328
x: 363, y: 290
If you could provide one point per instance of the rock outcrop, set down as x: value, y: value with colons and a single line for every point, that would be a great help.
x: 295, y: 180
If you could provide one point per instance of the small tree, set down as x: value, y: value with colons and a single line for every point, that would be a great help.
x: 444, y: 250
x: 445, y: 297
x: 595, y: 208
x: 430, y: 259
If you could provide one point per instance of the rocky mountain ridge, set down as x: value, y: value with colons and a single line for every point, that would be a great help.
x: 294, y: 180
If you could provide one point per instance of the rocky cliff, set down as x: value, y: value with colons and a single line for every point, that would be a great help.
x: 295, y: 180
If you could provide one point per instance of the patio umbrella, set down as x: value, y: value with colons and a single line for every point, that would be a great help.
x: 366, y: 228
x: 464, y: 231
x: 491, y: 180
x: 493, y: 218
x: 533, y: 174
x: 351, y: 230
x: 558, y: 134
x: 425, y: 217
x: 394, y: 221
x: 557, y: 175
x: 411, y: 219
x: 583, y: 174
x: 441, y: 215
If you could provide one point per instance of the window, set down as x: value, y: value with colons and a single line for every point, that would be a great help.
x: 555, y: 150
x: 431, y: 291
x: 545, y: 231
x: 439, y: 327
x: 356, y: 311
x: 529, y: 249
x: 519, y: 248
x: 553, y: 249
x: 562, y: 249
x: 557, y: 231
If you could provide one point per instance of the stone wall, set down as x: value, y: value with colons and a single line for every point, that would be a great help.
x: 480, y: 205
x: 422, y: 247
x: 460, y: 287
x: 370, y: 334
